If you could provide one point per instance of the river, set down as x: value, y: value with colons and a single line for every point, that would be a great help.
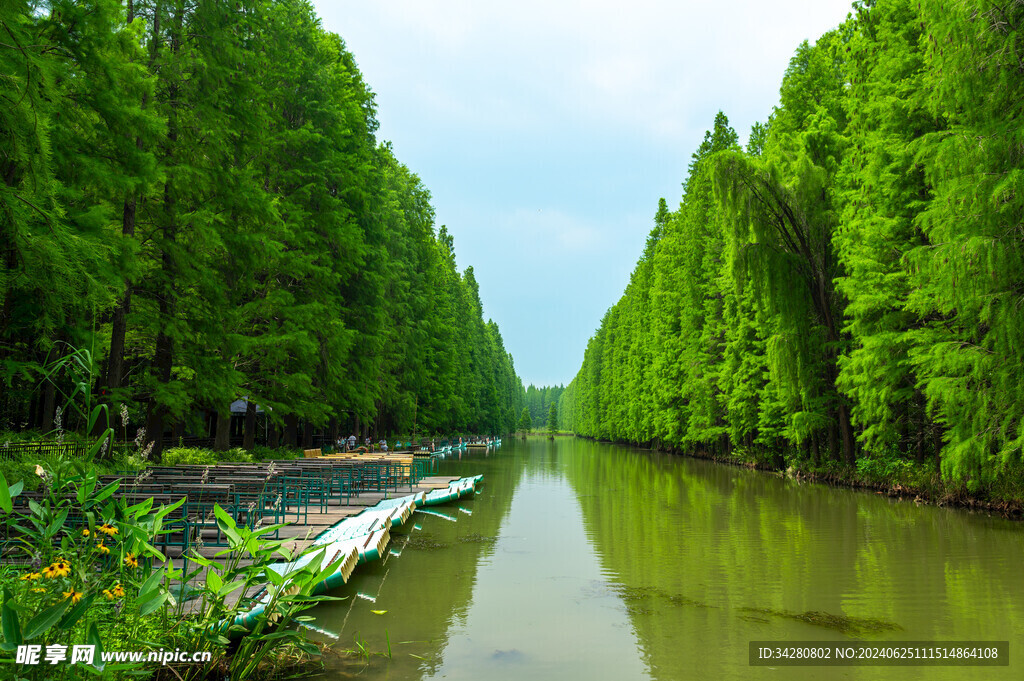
x: 580, y: 560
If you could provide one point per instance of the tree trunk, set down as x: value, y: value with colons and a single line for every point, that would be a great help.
x: 307, y: 435
x: 162, y: 362
x: 846, y: 429
x: 333, y: 429
x: 291, y: 424
x: 119, y: 322
x: 49, y: 408
x: 222, y: 440
x: 249, y: 432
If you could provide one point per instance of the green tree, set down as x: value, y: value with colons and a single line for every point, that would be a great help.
x: 525, y: 422
x: 552, y: 423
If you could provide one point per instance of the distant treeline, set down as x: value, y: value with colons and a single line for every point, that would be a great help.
x: 851, y: 286
x: 538, y: 401
x: 195, y: 192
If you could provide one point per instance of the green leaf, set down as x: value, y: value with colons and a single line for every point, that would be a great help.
x: 229, y: 587
x: 11, y: 625
x: 16, y: 488
x: 42, y: 622
x: 71, y: 618
x: 163, y: 511
x: 107, y: 491
x: 93, y: 638
x: 58, y: 521
x: 274, y: 577
x: 214, y: 581
x: 5, y: 496
x: 151, y: 583
x: 140, y: 508
x: 223, y: 517
x: 152, y: 604
x: 86, y: 487
x: 227, y: 525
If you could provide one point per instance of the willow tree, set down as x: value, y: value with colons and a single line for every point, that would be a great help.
x: 781, y: 214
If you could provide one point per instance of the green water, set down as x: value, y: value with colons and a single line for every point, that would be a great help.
x: 580, y: 560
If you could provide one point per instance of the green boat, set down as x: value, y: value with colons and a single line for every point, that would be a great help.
x: 356, y: 540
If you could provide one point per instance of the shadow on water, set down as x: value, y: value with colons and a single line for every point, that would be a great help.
x: 584, y: 560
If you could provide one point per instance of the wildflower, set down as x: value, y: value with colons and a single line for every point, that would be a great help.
x: 103, y: 548
x: 115, y: 593
x: 60, y: 568
x: 124, y: 415
x: 38, y: 590
x: 58, y: 425
x: 40, y: 472
x: 85, y: 533
x: 107, y: 529
x: 139, y: 437
x: 131, y: 561
x: 30, y: 576
x: 75, y: 596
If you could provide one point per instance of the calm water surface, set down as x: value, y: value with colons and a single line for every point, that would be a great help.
x: 580, y: 560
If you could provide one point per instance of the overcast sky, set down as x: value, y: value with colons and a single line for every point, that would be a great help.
x: 547, y: 130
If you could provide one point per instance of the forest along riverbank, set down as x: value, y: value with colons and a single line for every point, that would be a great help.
x: 920, y: 483
x: 587, y: 560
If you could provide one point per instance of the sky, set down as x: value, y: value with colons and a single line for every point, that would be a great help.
x: 546, y: 131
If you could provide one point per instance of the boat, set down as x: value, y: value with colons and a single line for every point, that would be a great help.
x: 355, y: 540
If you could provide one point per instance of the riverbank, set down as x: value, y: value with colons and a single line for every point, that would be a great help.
x: 897, y: 478
x: 187, y: 575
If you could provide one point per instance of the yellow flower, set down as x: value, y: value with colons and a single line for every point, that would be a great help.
x: 85, y: 533
x: 30, y: 576
x: 118, y: 591
x: 108, y: 530
x: 60, y: 568
x: 75, y: 596
x: 108, y: 594
x: 103, y: 548
x: 37, y: 590
x: 131, y: 561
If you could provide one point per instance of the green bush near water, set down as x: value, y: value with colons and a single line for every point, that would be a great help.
x: 199, y: 456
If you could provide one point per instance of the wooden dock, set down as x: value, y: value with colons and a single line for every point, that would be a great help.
x: 302, y: 535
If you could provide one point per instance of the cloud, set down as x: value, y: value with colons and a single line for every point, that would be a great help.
x: 547, y: 129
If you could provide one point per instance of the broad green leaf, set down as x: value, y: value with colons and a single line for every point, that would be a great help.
x: 214, y: 581
x: 71, y: 618
x: 151, y: 583
x: 93, y: 638
x: 11, y: 625
x: 5, y: 496
x: 42, y: 622
x: 152, y: 604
